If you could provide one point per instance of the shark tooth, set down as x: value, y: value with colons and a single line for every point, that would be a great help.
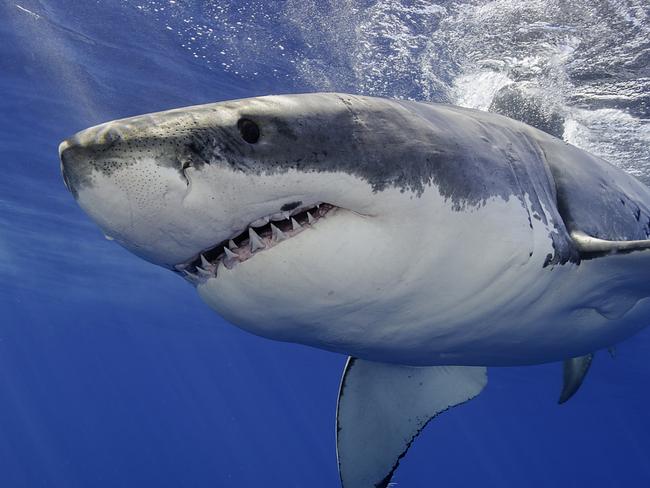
x: 230, y: 260
x: 277, y: 234
x: 232, y: 245
x: 255, y: 240
x: 294, y: 224
x: 190, y: 276
x: 204, y: 272
x: 310, y: 218
x: 205, y: 263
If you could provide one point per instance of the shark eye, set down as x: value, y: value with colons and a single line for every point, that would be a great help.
x: 249, y: 130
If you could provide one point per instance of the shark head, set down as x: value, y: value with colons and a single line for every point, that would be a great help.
x: 283, y: 211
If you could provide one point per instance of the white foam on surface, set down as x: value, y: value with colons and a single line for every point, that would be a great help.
x: 578, y: 58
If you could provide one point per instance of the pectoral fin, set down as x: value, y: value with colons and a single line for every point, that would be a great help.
x: 383, y: 407
x: 587, y: 244
x: 575, y: 370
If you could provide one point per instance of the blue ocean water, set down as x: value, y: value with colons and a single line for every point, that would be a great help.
x: 114, y: 374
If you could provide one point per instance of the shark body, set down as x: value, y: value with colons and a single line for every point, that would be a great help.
x: 426, y: 241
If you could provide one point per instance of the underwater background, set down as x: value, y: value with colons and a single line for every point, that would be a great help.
x: 114, y: 374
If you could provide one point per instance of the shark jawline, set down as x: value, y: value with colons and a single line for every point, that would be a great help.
x: 260, y: 235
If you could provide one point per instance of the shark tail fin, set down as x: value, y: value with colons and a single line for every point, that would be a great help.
x: 383, y: 407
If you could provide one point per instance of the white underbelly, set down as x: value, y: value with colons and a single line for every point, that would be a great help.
x: 565, y: 312
x: 467, y: 288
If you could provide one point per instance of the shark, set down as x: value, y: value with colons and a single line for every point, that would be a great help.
x: 426, y: 242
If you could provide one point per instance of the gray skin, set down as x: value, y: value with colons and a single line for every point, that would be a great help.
x: 470, y: 157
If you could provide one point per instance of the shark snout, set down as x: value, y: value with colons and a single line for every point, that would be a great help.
x: 79, y: 154
x: 62, y: 162
x: 71, y: 159
x: 128, y: 177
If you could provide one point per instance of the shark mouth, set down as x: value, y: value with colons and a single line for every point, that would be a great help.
x: 260, y: 235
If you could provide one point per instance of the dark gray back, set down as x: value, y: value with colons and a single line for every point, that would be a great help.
x: 590, y: 194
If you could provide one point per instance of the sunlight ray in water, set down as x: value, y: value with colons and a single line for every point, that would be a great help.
x: 50, y: 43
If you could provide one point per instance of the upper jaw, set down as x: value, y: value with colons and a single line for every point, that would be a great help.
x: 260, y: 235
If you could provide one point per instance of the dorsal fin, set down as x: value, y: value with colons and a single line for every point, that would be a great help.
x: 383, y: 407
x: 588, y: 244
x: 575, y: 370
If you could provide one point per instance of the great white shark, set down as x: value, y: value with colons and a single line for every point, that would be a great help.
x: 425, y: 241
